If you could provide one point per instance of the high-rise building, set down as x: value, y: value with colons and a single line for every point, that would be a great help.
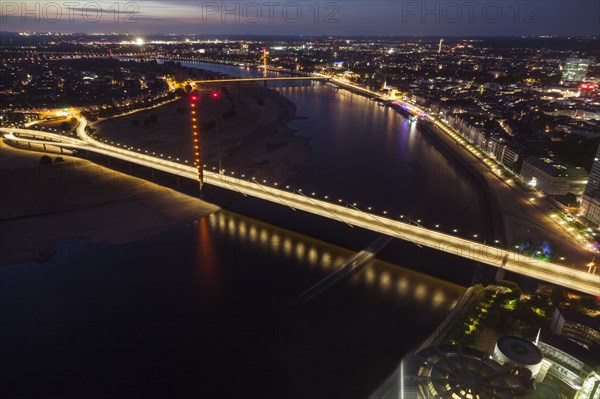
x: 575, y: 70
x: 590, y: 204
x: 593, y: 187
x: 578, y: 327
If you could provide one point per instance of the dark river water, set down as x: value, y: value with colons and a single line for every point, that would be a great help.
x: 211, y: 309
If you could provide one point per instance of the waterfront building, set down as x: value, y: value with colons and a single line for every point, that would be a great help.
x: 553, y: 177
x: 503, y: 151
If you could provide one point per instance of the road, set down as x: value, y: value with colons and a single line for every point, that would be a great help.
x: 486, y: 254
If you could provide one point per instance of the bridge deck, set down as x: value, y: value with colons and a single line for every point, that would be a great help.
x: 497, y: 257
x: 259, y: 79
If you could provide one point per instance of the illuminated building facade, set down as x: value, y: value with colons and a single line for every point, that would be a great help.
x: 590, y: 204
x: 552, y: 177
x: 577, y: 327
x: 571, y: 363
x: 575, y: 70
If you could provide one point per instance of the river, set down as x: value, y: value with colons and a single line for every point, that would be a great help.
x: 210, y: 309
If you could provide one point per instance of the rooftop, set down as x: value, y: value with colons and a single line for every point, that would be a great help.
x: 520, y: 350
x: 555, y: 168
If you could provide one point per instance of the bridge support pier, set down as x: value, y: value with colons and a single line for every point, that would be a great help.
x: 500, y: 274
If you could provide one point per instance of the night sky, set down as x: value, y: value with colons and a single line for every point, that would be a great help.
x: 402, y: 18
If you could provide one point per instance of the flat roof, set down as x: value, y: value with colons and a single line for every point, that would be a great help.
x: 520, y: 350
x: 556, y: 168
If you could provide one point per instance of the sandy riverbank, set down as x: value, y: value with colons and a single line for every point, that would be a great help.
x: 77, y: 199
x: 250, y: 120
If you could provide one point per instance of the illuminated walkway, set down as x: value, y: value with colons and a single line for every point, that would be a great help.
x: 338, y: 210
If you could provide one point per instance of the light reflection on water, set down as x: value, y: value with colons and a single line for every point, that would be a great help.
x: 294, y: 249
x: 242, y: 270
x: 354, y: 140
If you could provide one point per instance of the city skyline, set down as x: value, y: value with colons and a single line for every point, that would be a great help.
x: 309, y: 199
x: 295, y: 18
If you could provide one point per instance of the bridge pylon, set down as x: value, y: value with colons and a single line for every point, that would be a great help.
x: 194, y: 99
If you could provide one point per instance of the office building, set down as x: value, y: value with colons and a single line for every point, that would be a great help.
x: 575, y: 70
x: 553, y: 177
x: 590, y: 203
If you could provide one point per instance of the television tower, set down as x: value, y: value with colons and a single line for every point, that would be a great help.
x: 440, y: 49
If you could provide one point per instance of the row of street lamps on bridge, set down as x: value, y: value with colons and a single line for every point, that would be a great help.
x: 353, y: 205
x: 194, y: 99
x: 300, y: 191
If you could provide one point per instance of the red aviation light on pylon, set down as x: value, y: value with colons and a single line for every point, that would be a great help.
x: 215, y: 95
x: 587, y: 86
x: 194, y: 98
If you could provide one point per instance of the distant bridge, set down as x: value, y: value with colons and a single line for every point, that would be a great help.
x: 287, y: 78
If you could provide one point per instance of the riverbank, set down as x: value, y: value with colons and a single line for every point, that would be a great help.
x: 519, y: 217
x: 463, y: 306
x: 247, y: 124
x: 77, y: 199
x: 498, y: 227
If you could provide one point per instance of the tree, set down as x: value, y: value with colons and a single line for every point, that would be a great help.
x: 64, y: 126
x: 45, y: 160
x: 515, y: 290
x: 59, y: 160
